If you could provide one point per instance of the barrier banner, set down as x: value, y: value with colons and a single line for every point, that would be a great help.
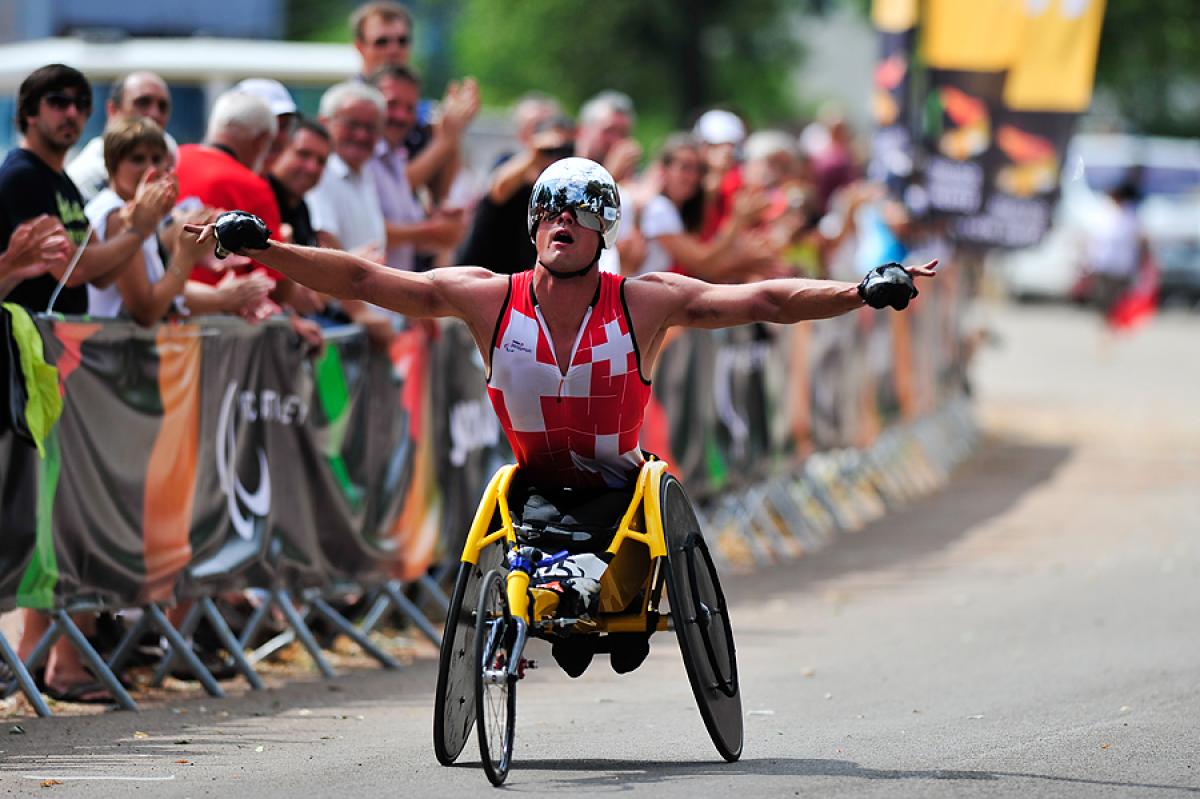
x: 682, y: 403
x: 741, y: 406
x: 207, y: 457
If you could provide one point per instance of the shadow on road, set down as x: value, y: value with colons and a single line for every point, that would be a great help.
x: 988, y: 485
x: 601, y: 772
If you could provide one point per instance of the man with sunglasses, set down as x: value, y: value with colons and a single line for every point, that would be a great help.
x: 53, y: 105
x: 382, y: 35
x: 137, y: 94
x: 383, y: 38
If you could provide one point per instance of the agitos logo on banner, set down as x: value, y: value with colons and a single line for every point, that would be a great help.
x: 265, y: 406
x: 1007, y: 80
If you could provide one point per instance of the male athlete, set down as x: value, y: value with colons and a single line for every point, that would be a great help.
x: 568, y: 349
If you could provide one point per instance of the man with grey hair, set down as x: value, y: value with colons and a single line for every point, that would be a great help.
x: 531, y: 110
x: 605, y: 128
x: 605, y: 125
x: 137, y: 94
x: 345, y: 204
x: 223, y: 172
x: 345, y: 207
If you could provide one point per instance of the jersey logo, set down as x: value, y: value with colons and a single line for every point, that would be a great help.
x: 516, y: 346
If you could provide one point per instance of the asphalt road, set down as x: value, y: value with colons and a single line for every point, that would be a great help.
x: 1032, y: 631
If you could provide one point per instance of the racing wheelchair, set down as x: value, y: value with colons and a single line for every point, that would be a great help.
x: 654, y: 550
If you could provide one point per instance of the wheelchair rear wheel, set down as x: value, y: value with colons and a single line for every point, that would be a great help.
x: 495, y: 687
x: 701, y: 619
x: 454, y: 698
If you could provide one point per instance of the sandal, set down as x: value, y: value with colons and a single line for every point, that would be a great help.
x: 84, y: 693
x: 8, y: 679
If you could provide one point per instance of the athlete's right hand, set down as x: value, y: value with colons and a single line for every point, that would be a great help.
x: 233, y: 232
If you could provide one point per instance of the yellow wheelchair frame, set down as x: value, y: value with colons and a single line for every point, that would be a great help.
x: 642, y: 523
x: 675, y: 559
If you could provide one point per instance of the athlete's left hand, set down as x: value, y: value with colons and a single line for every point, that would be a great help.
x: 893, y: 285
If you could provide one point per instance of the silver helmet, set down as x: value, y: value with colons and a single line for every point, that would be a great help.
x: 583, y: 186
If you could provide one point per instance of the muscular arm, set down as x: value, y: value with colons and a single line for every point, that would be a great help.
x: 469, y: 293
x: 663, y: 300
x: 684, y: 302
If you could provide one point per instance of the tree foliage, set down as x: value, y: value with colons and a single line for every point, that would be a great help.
x: 1150, y: 61
x: 673, y: 59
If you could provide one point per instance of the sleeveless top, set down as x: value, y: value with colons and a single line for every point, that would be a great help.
x: 581, y: 428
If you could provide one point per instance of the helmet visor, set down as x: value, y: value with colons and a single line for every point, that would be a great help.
x: 591, y: 202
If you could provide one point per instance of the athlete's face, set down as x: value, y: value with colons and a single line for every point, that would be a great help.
x: 563, y: 244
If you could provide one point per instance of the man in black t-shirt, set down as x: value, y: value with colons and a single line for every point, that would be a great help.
x: 53, y: 104
x: 498, y: 239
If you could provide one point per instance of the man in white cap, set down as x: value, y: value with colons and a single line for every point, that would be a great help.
x: 280, y: 101
x: 721, y: 134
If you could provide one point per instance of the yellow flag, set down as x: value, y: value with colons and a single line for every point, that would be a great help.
x: 1056, y: 66
x: 973, y: 35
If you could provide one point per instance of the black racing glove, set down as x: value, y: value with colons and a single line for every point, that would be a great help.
x: 237, y: 231
x: 887, y: 285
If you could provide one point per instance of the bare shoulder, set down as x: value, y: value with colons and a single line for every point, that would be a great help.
x: 477, y: 294
x: 468, y: 278
x: 658, y: 287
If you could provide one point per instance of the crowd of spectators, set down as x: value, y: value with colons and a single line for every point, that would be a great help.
x: 371, y: 175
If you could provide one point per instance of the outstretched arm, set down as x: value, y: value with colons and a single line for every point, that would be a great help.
x: 685, y: 302
x: 465, y: 292
x: 662, y: 300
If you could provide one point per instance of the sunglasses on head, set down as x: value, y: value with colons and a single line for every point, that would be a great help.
x: 146, y: 102
x: 384, y: 41
x: 59, y: 101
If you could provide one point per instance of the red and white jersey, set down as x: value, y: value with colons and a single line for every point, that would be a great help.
x: 581, y: 428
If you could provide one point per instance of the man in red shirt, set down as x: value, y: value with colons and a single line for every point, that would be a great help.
x: 223, y: 171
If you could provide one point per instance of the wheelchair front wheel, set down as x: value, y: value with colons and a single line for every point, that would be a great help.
x: 454, y: 697
x: 495, y: 687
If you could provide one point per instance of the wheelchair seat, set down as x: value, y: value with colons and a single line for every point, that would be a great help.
x: 576, y: 519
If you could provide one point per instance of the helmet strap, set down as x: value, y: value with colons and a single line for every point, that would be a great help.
x: 570, y: 275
